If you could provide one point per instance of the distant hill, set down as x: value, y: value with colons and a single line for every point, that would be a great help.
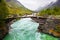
x: 14, y: 3
x: 16, y: 7
x: 57, y: 3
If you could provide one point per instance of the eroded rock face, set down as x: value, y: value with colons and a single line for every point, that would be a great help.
x: 3, y: 31
x: 4, y: 28
x: 51, y: 26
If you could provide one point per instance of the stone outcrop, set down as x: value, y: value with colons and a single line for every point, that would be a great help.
x: 3, y: 31
x: 49, y: 26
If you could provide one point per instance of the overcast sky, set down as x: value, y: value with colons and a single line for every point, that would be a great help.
x: 35, y: 4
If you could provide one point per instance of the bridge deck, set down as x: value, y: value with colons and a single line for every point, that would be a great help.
x: 29, y: 17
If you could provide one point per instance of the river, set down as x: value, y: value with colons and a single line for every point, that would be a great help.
x: 26, y: 29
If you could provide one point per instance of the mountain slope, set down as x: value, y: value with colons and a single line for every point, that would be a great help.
x: 15, y: 7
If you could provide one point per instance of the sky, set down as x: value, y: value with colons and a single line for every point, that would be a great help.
x: 36, y: 5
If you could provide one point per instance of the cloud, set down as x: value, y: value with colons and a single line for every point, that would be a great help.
x: 35, y: 4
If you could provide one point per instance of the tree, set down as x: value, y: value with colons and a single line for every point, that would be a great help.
x: 3, y: 15
x: 51, y: 11
x: 3, y: 11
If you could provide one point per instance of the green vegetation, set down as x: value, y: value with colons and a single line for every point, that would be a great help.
x: 14, y: 8
x: 3, y: 11
x: 50, y: 11
x: 21, y: 11
x: 58, y: 28
x: 0, y: 0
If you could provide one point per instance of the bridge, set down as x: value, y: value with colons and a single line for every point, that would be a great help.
x: 37, y: 19
x: 33, y: 16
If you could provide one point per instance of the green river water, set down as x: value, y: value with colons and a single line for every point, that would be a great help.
x: 26, y: 29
